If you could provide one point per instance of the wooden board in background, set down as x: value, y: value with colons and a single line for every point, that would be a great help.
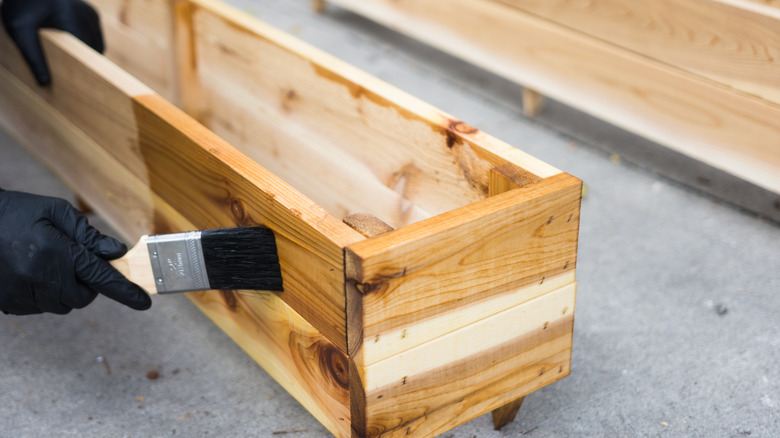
x: 733, y: 42
x: 131, y: 27
x: 711, y: 122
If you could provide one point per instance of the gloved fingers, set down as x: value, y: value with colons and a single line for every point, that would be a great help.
x: 81, y: 20
x: 101, y: 277
x: 75, y: 225
x: 26, y: 38
x: 73, y: 295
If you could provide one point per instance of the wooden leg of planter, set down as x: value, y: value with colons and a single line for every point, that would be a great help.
x: 506, y: 414
x: 318, y: 5
x: 532, y: 101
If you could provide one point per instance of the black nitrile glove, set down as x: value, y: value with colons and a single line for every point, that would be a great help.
x: 23, y: 18
x: 52, y: 260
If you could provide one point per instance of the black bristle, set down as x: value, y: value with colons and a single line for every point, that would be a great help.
x: 242, y: 258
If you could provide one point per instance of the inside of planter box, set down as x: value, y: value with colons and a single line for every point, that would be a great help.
x: 351, y: 143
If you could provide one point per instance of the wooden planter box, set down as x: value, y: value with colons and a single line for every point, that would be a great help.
x: 460, y: 303
x: 700, y: 77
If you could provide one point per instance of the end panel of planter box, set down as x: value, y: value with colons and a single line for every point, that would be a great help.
x: 727, y: 120
x: 523, y: 237
x: 479, y: 300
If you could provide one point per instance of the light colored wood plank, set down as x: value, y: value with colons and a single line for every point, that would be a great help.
x: 235, y: 190
x: 773, y: 3
x: 136, y: 267
x: 114, y: 192
x: 254, y: 121
x: 199, y: 174
x: 425, y: 156
x: 533, y: 316
x: 454, y: 260
x: 703, y: 119
x: 187, y: 92
x: 506, y: 414
x: 404, y: 337
x: 733, y: 42
x: 131, y: 27
x: 85, y: 77
x: 289, y: 348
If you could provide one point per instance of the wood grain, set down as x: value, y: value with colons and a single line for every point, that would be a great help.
x: 415, y: 332
x: 75, y: 158
x: 137, y: 267
x: 133, y: 27
x: 301, y: 100
x: 711, y: 122
x: 289, y: 348
x: 423, y: 283
x: 306, y: 363
x: 484, y: 399
x: 474, y: 339
x: 733, y: 42
x: 228, y: 188
x: 515, y: 239
x: 196, y: 172
x: 475, y: 385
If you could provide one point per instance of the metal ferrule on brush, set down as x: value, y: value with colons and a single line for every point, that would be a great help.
x: 177, y: 262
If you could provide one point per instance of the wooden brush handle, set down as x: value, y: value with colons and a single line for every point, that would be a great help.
x: 136, y: 266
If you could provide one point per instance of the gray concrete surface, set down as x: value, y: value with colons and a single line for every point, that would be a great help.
x: 677, y: 331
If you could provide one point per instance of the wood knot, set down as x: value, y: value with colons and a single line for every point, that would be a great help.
x: 241, y: 217
x: 367, y: 288
x: 230, y: 298
x: 288, y: 97
x: 335, y: 364
x: 458, y: 126
x: 237, y: 210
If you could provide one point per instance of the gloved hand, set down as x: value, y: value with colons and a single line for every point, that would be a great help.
x: 23, y: 18
x: 52, y: 260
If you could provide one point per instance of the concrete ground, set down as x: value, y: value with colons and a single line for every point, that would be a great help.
x: 677, y: 331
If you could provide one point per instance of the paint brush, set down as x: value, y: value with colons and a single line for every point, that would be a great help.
x: 225, y: 258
